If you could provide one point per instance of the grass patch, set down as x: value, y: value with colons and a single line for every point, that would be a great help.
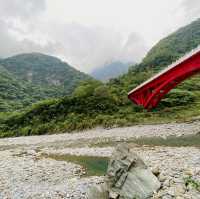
x: 189, y: 181
x: 94, y: 166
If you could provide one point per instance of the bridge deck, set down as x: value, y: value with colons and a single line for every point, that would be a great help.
x: 139, y: 94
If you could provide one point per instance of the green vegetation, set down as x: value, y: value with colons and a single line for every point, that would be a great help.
x: 12, y: 92
x: 94, y: 166
x: 94, y: 103
x: 189, y: 181
x: 174, y: 46
x: 28, y: 78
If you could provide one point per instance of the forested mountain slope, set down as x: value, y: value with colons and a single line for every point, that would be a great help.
x: 44, y: 70
x: 94, y: 103
x: 174, y: 46
x: 10, y: 90
x: 29, y: 78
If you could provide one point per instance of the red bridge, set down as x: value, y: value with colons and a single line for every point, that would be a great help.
x: 153, y: 90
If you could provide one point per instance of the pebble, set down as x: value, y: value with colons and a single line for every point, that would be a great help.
x: 162, y: 177
x: 25, y: 174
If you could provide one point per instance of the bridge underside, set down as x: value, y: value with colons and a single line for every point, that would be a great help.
x: 150, y: 94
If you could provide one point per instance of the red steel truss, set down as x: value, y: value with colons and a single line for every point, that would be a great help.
x: 153, y: 90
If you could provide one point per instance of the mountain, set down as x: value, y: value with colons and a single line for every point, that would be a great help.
x: 174, y: 46
x: 44, y: 70
x: 28, y: 78
x: 10, y: 90
x: 111, y: 70
x: 16, y: 93
x: 94, y: 103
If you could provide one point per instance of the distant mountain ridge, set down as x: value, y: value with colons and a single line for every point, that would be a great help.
x: 32, y: 77
x: 110, y: 70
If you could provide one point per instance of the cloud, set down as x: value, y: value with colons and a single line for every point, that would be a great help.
x: 11, y: 46
x: 84, y: 46
x: 88, y: 47
x: 134, y: 48
x: 191, y: 8
x: 23, y: 9
x: 15, y: 18
x: 84, y: 36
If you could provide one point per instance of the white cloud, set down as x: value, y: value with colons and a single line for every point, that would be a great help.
x: 11, y: 46
x: 191, y: 8
x: 24, y: 9
x: 89, y: 33
x: 91, y: 46
x: 134, y: 48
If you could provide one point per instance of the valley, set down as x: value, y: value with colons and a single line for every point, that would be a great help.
x: 59, y: 126
x: 76, y: 101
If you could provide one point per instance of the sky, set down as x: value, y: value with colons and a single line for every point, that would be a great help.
x: 89, y: 33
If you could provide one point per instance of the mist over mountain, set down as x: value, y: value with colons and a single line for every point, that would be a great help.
x: 110, y: 70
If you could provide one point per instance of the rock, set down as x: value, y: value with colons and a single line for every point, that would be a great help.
x: 171, y: 191
x: 127, y: 177
x: 166, y: 183
x: 31, y: 152
x: 179, y: 197
x: 167, y: 197
x: 189, y: 172
x: 156, y: 171
x: 113, y: 195
x: 180, y: 190
x: 98, y: 192
x: 162, y: 177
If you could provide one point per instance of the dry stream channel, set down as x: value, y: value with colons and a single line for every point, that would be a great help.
x: 66, y: 165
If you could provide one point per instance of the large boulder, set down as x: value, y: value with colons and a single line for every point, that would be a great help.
x: 127, y: 178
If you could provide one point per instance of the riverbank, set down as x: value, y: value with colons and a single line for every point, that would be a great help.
x: 27, y: 171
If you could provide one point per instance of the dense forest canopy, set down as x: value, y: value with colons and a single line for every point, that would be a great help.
x: 28, y: 78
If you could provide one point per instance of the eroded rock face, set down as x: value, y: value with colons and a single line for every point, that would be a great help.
x: 127, y: 178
